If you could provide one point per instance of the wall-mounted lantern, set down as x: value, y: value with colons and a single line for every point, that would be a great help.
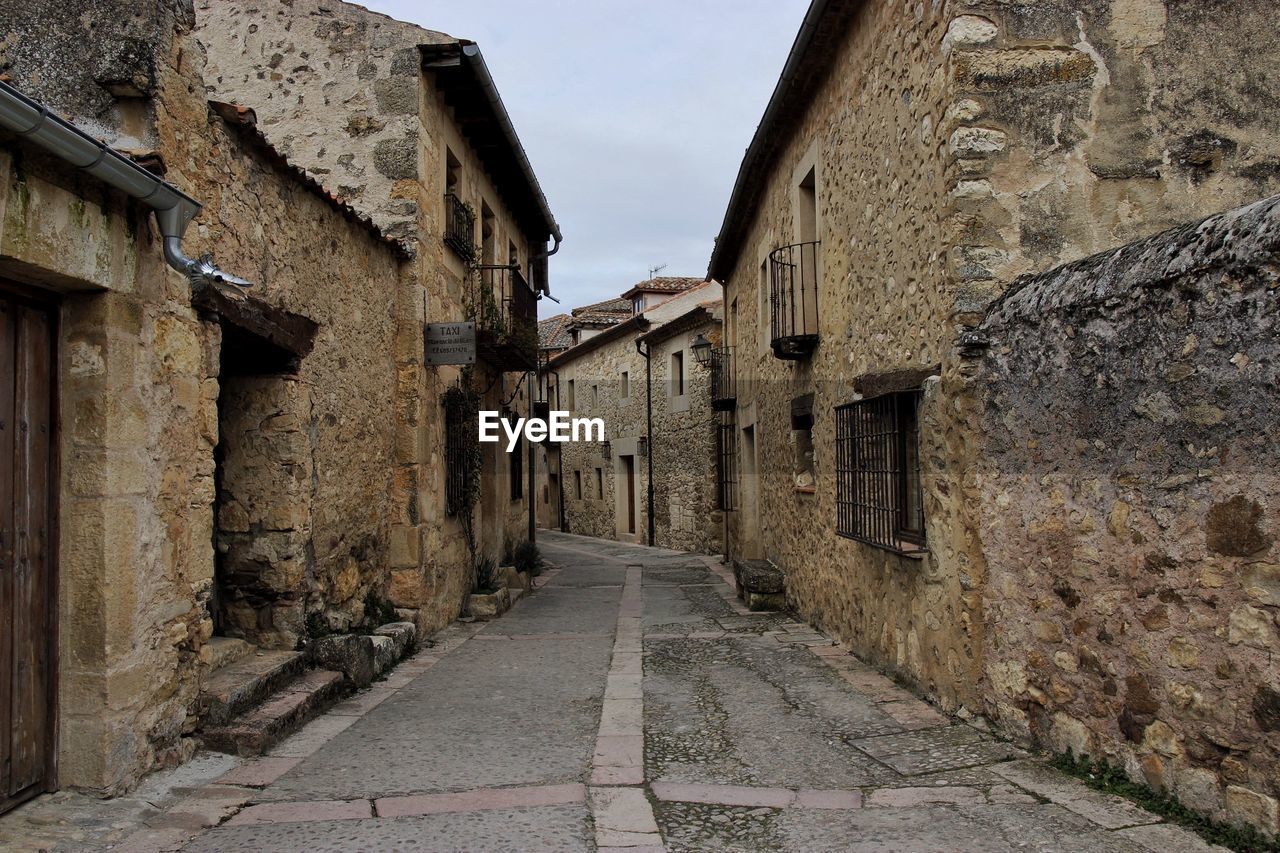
x: 606, y: 450
x: 642, y: 446
x: 701, y: 349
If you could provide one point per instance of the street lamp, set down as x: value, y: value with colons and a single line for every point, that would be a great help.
x: 701, y: 349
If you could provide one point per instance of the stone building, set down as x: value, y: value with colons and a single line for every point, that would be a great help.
x: 214, y: 461
x: 406, y: 124
x: 912, y: 163
x: 626, y: 373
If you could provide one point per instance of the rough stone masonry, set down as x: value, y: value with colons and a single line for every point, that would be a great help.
x: 1129, y: 503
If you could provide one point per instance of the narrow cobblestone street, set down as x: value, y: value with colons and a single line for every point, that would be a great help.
x: 633, y: 703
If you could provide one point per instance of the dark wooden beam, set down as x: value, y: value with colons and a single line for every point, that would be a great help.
x: 290, y: 332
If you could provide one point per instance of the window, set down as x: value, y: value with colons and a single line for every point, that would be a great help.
x: 595, y: 398
x: 513, y: 254
x: 459, y: 220
x: 570, y: 395
x: 807, y: 214
x: 637, y: 304
x: 878, y: 494
x: 488, y: 235
x: 764, y: 332
x: 802, y: 443
x: 516, y: 460
x: 625, y: 385
x: 452, y: 173
x: 726, y: 464
x: 600, y: 483
x: 677, y: 373
x: 459, y: 431
x: 577, y: 484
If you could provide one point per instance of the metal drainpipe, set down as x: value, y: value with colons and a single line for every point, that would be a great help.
x: 531, y: 492
x: 653, y: 445
x: 174, y: 209
x: 559, y: 458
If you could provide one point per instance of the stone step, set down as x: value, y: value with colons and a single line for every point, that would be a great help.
x: 283, y: 713
x: 224, y: 651
x: 239, y: 686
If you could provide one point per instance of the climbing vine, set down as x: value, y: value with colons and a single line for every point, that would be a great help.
x: 463, y: 457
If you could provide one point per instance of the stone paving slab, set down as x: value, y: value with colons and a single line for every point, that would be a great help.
x: 1072, y: 794
x: 551, y: 829
x: 486, y: 716
x: 632, y: 704
x: 490, y: 799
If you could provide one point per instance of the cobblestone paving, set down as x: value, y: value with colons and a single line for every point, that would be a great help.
x: 631, y: 703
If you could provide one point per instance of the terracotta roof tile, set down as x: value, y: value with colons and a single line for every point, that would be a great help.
x: 665, y: 284
x: 553, y: 332
x: 605, y: 313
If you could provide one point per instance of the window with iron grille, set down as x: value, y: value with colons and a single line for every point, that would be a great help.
x: 515, y: 459
x: 459, y: 433
x: 726, y: 465
x: 459, y: 227
x: 878, y: 495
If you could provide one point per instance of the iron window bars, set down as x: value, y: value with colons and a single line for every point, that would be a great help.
x: 724, y: 386
x: 726, y: 464
x: 879, y: 499
x: 459, y: 432
x: 459, y: 227
x: 793, y: 300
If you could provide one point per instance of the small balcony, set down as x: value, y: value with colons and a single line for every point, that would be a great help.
x: 793, y: 300
x: 459, y: 227
x: 724, y: 381
x: 505, y: 310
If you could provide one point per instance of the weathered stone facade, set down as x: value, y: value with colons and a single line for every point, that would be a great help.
x: 208, y: 482
x: 607, y: 496
x: 1129, y: 503
x: 343, y: 92
x: 948, y: 148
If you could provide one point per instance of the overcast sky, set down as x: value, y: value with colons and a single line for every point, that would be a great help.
x: 634, y: 113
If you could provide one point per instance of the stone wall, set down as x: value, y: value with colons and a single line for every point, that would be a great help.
x: 599, y: 511
x: 682, y: 442
x: 335, y: 85
x: 955, y: 147
x: 139, y: 390
x: 264, y: 511
x: 1081, y: 126
x: 684, y: 450
x: 875, y: 136
x: 1130, y: 510
x: 340, y: 90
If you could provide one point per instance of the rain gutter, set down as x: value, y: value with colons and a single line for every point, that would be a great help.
x: 174, y: 209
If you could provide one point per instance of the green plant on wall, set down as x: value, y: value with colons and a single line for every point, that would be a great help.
x: 463, y: 456
x: 481, y: 305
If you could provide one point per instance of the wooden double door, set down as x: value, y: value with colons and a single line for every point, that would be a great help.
x: 27, y: 546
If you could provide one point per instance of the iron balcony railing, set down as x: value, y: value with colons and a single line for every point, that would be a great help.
x: 505, y: 310
x: 793, y: 300
x: 724, y: 382
x: 459, y: 227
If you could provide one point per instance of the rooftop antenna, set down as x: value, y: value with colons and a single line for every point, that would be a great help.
x: 655, y: 270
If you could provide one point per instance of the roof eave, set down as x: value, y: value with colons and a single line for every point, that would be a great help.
x: 794, y: 87
x: 636, y: 324
x: 467, y: 55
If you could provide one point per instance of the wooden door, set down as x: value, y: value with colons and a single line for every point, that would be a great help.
x: 629, y: 464
x: 27, y: 335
